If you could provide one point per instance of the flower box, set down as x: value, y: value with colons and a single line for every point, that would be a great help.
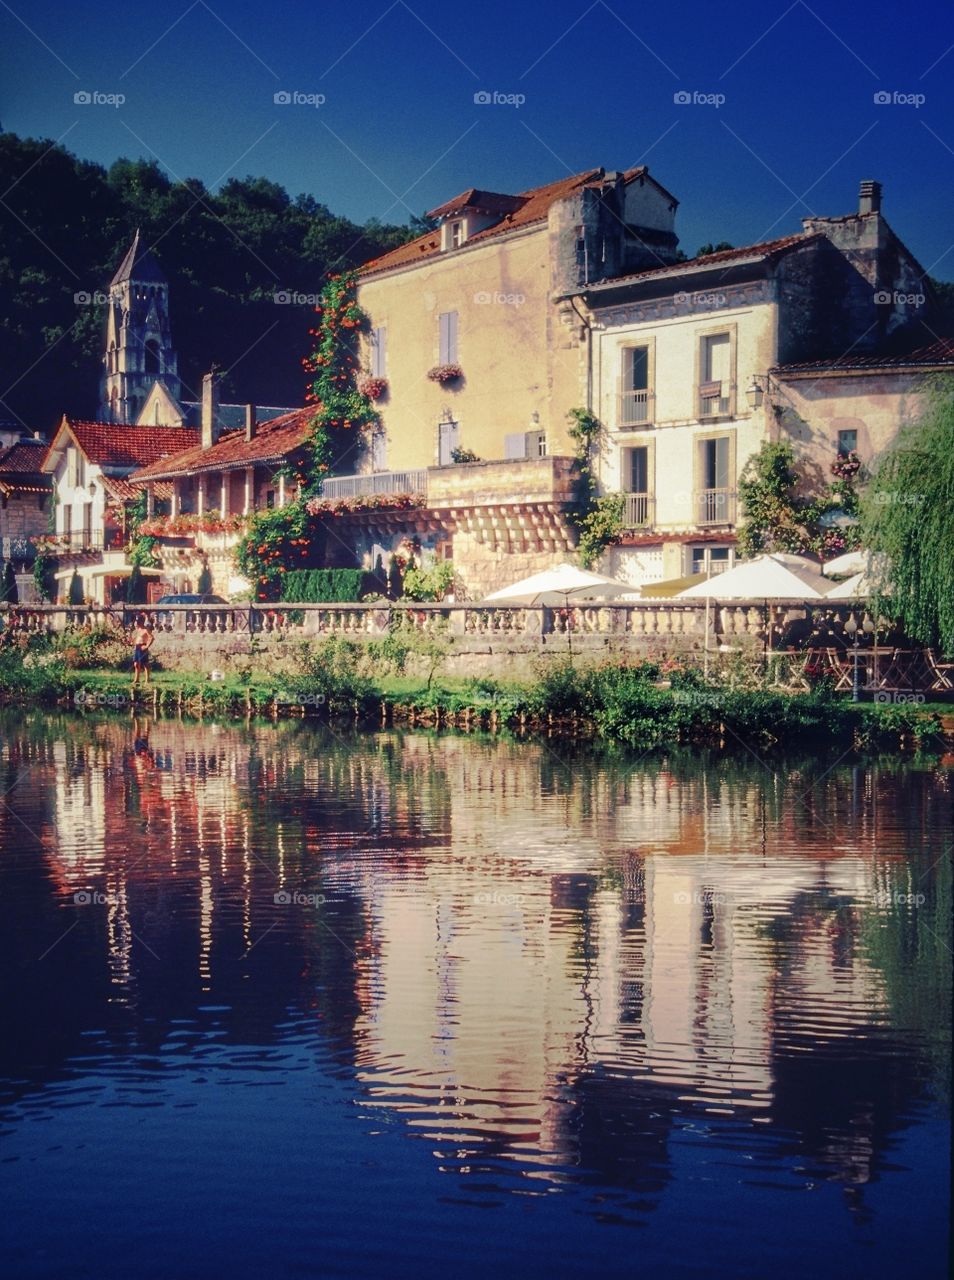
x: 445, y: 373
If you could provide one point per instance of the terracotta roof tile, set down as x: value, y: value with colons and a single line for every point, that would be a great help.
x: 529, y: 207
x: 273, y: 441
x: 24, y: 456
x: 123, y: 445
x: 940, y: 352
x: 766, y: 249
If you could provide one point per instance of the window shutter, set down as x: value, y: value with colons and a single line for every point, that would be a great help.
x: 448, y: 337
x: 515, y: 446
x: 379, y: 352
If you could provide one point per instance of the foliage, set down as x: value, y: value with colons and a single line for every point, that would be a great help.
x: 44, y: 566
x: 135, y: 586
x: 344, y: 413
x: 204, y: 584
x: 429, y: 584
x: 908, y: 517
x: 395, y: 578
x: 330, y: 676
x: 459, y: 454
x: 709, y: 247
x: 141, y: 552
x: 275, y: 542
x: 777, y: 517
x: 316, y: 586
x: 600, y: 520
x: 431, y: 645
x: 8, y: 584
x: 373, y: 388
x: 225, y: 252
x: 75, y: 595
x: 600, y: 528
x: 91, y: 648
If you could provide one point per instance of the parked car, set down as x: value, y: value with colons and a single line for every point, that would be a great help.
x: 206, y: 598
x: 165, y: 619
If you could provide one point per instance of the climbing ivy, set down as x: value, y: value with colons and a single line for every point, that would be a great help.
x: 599, y: 520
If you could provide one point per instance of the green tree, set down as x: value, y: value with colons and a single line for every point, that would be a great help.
x: 8, y: 584
x: 76, y: 589
x: 908, y: 517
x: 204, y: 585
x: 135, y: 586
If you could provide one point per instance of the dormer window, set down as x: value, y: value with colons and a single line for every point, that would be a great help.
x: 455, y: 233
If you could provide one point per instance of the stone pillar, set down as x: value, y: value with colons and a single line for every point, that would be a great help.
x: 249, y: 488
x: 224, y: 494
x: 200, y: 498
x: 150, y: 501
x: 281, y: 489
x: 175, y: 506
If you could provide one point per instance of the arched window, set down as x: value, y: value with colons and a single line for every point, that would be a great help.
x: 152, y: 356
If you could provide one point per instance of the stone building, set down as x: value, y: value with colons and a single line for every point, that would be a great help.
x: 141, y: 382
x: 679, y: 359
x: 25, y: 496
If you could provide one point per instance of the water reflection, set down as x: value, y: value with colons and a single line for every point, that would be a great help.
x: 553, y: 968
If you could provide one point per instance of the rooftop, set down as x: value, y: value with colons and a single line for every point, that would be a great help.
x: 938, y: 353
x: 515, y: 212
x: 120, y: 445
x: 139, y: 265
x: 272, y: 441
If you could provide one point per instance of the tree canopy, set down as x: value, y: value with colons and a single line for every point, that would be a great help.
x: 65, y: 224
x: 908, y: 517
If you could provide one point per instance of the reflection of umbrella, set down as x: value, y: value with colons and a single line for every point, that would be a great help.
x: 558, y: 586
x: 669, y: 587
x: 767, y: 577
x: 850, y: 562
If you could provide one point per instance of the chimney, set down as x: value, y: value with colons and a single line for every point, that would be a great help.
x: 210, y: 409
x: 869, y: 197
x: 249, y: 422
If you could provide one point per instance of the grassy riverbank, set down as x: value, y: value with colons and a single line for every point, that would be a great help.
x: 627, y: 703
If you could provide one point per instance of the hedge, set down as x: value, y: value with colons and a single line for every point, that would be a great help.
x: 334, y: 586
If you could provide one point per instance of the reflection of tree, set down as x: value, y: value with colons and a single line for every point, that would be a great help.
x: 909, y: 943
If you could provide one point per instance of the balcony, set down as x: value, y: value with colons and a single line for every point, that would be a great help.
x: 639, y: 510
x: 634, y: 409
x: 378, y: 482
x: 715, y: 506
x: 712, y: 402
x: 78, y: 540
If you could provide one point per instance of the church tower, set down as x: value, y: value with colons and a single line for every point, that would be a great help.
x: 139, y: 349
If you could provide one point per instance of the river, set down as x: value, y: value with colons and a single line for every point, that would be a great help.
x: 285, y: 1001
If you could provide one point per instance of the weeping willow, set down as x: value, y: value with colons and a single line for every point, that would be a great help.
x: 908, y: 516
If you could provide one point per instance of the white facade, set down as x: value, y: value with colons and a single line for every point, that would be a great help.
x: 671, y: 393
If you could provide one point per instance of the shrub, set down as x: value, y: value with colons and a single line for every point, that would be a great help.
x: 319, y: 586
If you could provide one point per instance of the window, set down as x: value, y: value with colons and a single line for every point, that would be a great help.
x: 635, y: 394
x: 847, y: 442
x: 710, y: 560
x: 715, y: 501
x: 378, y: 451
x: 379, y: 352
x: 457, y: 235
x: 637, y: 502
x: 67, y: 520
x: 715, y: 375
x: 448, y: 435
x: 152, y: 357
x: 72, y: 467
x: 448, y: 337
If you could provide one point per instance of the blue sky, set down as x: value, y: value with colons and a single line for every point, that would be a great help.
x: 781, y: 121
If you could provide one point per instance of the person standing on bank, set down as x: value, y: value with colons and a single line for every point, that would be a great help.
x: 142, y: 640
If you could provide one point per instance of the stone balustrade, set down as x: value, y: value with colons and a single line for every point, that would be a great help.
x: 682, y: 622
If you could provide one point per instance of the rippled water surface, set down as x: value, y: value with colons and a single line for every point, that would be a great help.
x: 284, y: 1002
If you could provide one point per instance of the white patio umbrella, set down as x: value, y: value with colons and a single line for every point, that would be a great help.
x: 767, y: 577
x: 850, y: 562
x: 560, y: 585
x: 857, y: 587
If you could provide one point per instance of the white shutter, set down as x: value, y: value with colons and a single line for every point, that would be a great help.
x: 515, y: 446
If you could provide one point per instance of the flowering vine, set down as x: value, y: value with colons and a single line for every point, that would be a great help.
x: 343, y: 411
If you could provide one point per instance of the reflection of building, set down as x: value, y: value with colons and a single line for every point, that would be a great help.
x: 543, y: 962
